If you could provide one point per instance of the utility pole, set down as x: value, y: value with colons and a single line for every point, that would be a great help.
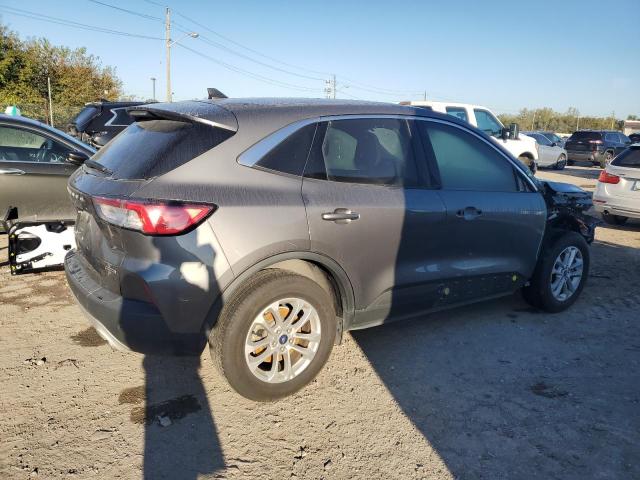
x: 153, y: 81
x: 330, y: 87
x: 578, y: 122
x: 425, y: 96
x: 533, y: 121
x: 167, y: 34
x: 50, y: 102
x: 333, y: 87
x: 613, y: 118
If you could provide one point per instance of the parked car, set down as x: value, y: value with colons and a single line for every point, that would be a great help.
x: 617, y: 195
x: 553, y: 137
x: 596, y: 146
x: 269, y: 227
x: 634, y: 137
x: 550, y: 154
x: 521, y: 146
x: 99, y: 122
x: 36, y: 161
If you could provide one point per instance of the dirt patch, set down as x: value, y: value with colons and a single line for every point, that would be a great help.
x: 88, y: 338
x: 174, y: 409
x: 544, y: 390
x: 132, y: 395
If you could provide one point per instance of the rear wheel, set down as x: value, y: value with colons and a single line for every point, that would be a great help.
x: 560, y: 274
x: 562, y: 162
x: 274, y: 335
x: 614, y: 219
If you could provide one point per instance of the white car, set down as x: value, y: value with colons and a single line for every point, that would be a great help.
x: 522, y: 147
x: 550, y: 154
x: 617, y: 195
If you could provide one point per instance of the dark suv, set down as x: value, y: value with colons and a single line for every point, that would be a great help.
x: 270, y: 227
x: 98, y: 122
x: 596, y: 146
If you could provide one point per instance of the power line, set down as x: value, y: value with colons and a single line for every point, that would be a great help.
x: 69, y: 23
x: 249, y: 74
x: 143, y: 15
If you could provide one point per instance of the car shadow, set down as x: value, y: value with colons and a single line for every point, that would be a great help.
x: 180, y: 436
x: 501, y: 390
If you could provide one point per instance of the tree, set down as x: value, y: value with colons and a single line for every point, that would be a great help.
x: 632, y: 117
x: 76, y: 77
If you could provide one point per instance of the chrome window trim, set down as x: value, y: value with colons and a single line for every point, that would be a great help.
x: 251, y: 156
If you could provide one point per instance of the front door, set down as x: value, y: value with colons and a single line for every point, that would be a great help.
x: 368, y: 209
x: 494, y: 224
x: 33, y: 175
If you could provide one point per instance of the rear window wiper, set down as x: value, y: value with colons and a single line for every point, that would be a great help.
x: 98, y: 166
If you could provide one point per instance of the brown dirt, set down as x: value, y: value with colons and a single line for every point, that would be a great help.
x: 495, y: 390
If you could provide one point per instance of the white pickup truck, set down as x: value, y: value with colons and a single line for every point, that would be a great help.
x: 522, y: 147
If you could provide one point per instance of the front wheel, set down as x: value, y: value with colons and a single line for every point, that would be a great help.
x: 274, y: 335
x: 562, y: 162
x: 560, y: 274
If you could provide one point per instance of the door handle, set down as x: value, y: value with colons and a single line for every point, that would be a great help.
x: 11, y: 171
x: 341, y: 215
x: 469, y: 213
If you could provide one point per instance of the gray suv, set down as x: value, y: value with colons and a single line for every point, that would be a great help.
x: 267, y: 228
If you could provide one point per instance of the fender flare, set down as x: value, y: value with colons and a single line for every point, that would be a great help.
x: 342, y: 282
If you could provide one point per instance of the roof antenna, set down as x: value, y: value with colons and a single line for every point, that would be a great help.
x: 215, y: 93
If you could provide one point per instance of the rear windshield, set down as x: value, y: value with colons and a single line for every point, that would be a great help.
x: 84, y: 117
x: 149, y: 148
x: 629, y: 158
x: 586, y: 136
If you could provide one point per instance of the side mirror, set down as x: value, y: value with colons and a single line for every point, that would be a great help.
x: 77, y: 158
x: 514, y: 131
x: 554, y: 144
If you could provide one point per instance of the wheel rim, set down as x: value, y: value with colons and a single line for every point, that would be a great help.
x: 561, y: 161
x: 282, y: 340
x: 566, y: 273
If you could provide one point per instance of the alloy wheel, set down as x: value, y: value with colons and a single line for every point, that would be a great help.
x: 566, y: 273
x: 282, y: 340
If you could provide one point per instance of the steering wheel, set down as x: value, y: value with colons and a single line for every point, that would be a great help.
x: 41, y: 154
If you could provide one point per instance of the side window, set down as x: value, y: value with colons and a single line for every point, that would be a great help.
x: 541, y: 139
x: 290, y: 155
x: 624, y: 138
x: 458, y: 112
x: 611, y: 137
x: 465, y: 162
x: 373, y: 151
x: 21, y: 145
x: 487, y: 122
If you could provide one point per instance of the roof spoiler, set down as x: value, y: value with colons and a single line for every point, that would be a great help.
x: 193, y: 111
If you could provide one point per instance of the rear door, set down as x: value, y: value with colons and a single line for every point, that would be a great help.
x: 369, y: 208
x: 495, y: 218
x: 33, y: 174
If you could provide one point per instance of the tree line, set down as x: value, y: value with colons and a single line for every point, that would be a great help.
x: 76, y: 77
x: 567, y: 122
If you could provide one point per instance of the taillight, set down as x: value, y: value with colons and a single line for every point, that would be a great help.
x: 608, y: 178
x: 151, y: 217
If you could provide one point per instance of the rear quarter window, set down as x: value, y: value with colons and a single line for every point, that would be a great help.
x: 628, y: 158
x: 149, y: 148
x: 290, y: 155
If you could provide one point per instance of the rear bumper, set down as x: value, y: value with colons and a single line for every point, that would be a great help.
x: 613, y: 209
x: 585, y: 156
x: 125, y: 323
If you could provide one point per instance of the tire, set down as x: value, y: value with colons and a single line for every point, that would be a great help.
x: 561, y: 163
x: 539, y: 291
x: 608, y: 156
x: 238, y: 318
x: 614, y: 219
x: 529, y: 162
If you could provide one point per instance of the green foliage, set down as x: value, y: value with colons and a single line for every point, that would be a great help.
x: 567, y: 122
x: 76, y: 77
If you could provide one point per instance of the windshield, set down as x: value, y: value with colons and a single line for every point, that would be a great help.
x: 553, y: 137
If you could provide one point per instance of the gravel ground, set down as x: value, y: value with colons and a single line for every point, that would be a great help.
x: 492, y: 391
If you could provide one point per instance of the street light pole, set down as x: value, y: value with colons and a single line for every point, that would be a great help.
x: 153, y: 81
x: 167, y: 34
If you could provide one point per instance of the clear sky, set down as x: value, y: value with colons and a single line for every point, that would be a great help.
x: 505, y: 55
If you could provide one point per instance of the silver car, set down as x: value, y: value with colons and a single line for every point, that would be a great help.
x: 550, y: 154
x: 617, y: 195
